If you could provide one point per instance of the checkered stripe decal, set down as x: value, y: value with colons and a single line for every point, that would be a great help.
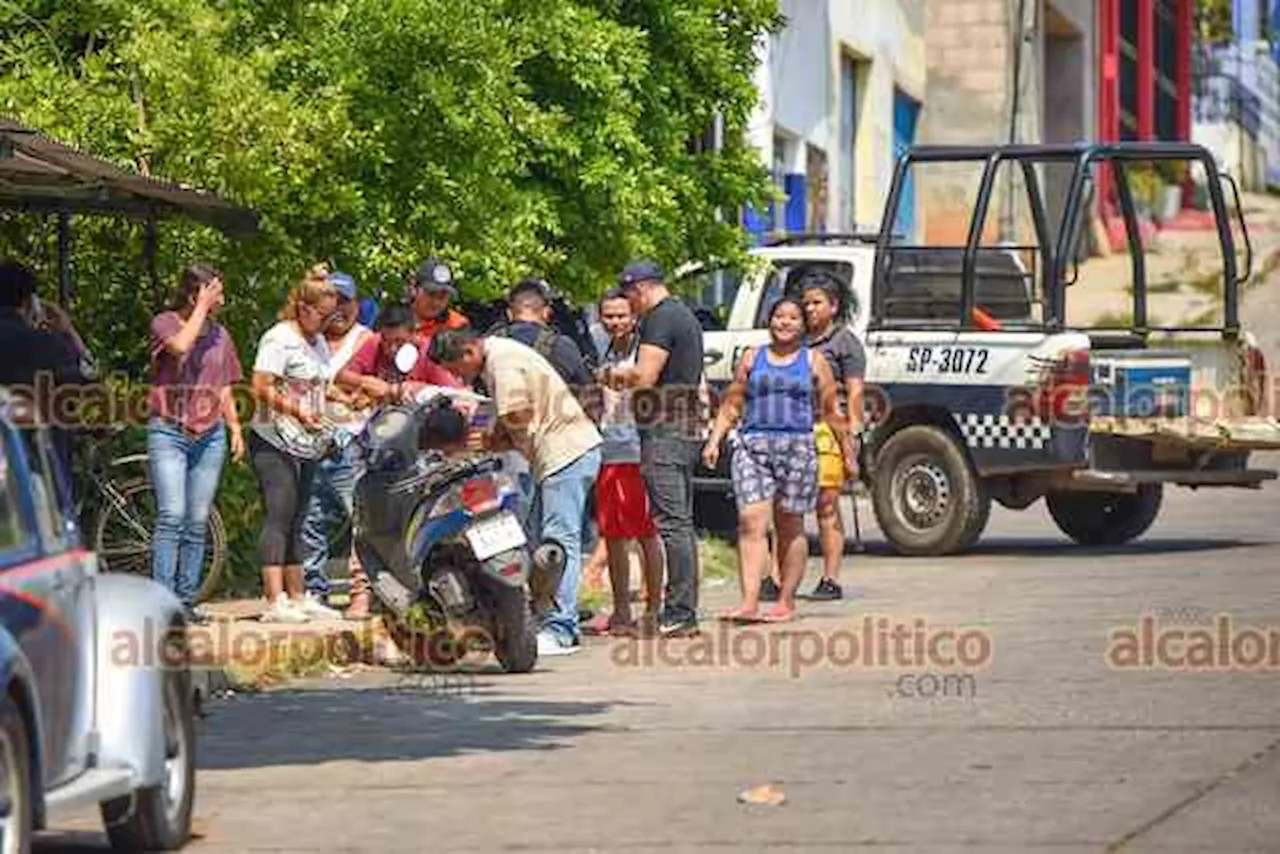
x: 1001, y: 431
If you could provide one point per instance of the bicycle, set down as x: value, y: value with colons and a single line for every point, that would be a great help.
x: 122, y: 518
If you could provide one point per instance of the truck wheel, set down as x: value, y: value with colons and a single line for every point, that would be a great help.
x: 1105, y: 518
x: 158, y: 818
x: 716, y: 513
x: 927, y: 497
x: 15, y: 764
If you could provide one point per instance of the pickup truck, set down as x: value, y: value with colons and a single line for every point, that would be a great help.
x: 978, y: 389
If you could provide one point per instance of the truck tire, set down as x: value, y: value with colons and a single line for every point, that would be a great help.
x: 15, y: 762
x: 158, y: 818
x: 927, y: 498
x: 1105, y: 518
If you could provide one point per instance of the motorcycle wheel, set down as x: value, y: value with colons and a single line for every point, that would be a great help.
x: 516, y: 641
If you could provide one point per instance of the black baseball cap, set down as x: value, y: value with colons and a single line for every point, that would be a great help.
x: 641, y: 270
x: 532, y: 285
x: 434, y: 275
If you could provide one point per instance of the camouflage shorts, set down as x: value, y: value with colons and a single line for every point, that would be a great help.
x: 780, y: 467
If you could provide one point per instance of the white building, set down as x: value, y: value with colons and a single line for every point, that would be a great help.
x: 840, y: 92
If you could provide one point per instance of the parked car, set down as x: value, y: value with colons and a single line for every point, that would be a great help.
x: 97, y: 704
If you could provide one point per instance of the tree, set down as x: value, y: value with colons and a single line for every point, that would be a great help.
x: 509, y: 137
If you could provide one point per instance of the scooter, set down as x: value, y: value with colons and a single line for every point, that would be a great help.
x: 441, y: 537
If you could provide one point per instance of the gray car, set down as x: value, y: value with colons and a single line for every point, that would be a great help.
x: 97, y: 704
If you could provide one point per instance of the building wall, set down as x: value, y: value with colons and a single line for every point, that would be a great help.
x: 887, y: 40
x: 797, y: 126
x: 970, y: 63
x: 972, y: 46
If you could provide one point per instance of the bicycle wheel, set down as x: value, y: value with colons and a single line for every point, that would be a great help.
x: 122, y: 534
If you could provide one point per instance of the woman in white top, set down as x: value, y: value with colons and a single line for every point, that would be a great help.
x: 290, y: 378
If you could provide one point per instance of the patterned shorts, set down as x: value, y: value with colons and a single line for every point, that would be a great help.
x: 779, y: 467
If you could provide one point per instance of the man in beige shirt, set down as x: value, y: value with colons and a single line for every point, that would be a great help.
x: 540, y: 417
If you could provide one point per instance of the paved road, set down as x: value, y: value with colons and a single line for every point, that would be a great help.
x: 1046, y: 746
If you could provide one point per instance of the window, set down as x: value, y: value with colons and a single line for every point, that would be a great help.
x: 46, y: 492
x: 13, y: 530
x: 785, y: 277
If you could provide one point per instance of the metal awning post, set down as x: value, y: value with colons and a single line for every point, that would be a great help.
x: 149, y: 251
x: 64, y: 258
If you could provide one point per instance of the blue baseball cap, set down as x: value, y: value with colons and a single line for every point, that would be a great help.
x: 344, y: 284
x: 640, y: 271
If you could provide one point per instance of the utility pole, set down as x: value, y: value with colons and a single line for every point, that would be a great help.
x: 1017, y: 43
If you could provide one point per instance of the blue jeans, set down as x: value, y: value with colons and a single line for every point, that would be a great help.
x: 326, y: 528
x: 560, y: 513
x: 185, y: 471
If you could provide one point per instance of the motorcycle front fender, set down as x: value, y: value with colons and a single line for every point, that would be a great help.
x: 510, y: 568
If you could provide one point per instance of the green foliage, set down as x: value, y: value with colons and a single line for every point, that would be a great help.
x: 1215, y: 20
x: 509, y: 137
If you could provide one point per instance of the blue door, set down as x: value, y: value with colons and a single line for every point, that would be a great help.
x: 905, y: 113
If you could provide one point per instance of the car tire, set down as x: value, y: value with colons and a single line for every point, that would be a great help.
x: 927, y: 497
x: 1106, y: 518
x: 15, y: 764
x: 158, y: 818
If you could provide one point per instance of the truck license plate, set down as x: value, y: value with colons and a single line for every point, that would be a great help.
x: 496, y: 535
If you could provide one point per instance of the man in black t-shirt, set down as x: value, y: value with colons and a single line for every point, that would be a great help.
x: 667, y: 379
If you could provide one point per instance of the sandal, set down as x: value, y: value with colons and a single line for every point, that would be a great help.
x: 743, y: 616
x: 778, y: 614
x: 597, y: 625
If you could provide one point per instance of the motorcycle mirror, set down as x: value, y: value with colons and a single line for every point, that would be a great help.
x: 406, y: 358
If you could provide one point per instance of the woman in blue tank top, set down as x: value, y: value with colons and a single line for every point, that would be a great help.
x: 778, y: 393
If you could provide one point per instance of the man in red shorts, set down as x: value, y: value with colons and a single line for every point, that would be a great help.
x: 622, y: 501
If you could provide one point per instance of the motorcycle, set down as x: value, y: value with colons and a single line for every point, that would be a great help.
x: 441, y: 536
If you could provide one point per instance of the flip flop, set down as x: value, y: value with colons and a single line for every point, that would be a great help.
x: 597, y: 625
x: 778, y: 615
x: 740, y: 618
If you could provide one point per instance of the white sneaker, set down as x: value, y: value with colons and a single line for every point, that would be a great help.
x: 550, y: 644
x: 313, y: 607
x: 284, y: 611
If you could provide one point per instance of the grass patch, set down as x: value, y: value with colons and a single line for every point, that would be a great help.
x: 1113, y: 320
x: 719, y: 557
x: 1210, y: 284
x: 297, y: 655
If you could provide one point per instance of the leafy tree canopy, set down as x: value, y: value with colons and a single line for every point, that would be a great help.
x: 510, y: 137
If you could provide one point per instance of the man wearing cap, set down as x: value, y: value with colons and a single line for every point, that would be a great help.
x: 430, y: 291
x: 333, y: 488
x: 529, y: 312
x: 667, y: 379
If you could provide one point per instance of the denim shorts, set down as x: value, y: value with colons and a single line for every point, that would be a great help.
x: 780, y: 467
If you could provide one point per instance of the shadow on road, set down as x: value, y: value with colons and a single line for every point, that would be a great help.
x: 430, y: 717
x: 1042, y: 547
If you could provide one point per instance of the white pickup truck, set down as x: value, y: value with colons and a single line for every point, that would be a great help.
x: 959, y: 413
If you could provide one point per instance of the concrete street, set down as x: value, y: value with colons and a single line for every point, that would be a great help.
x: 1045, y: 747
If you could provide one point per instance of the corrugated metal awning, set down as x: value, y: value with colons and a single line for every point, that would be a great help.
x: 40, y: 174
